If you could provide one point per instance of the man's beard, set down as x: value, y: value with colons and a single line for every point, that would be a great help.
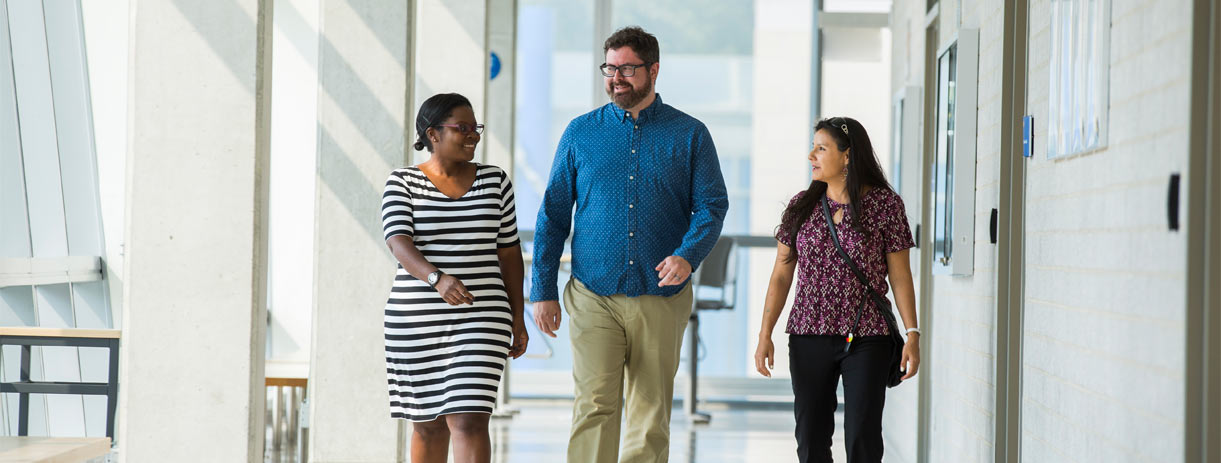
x: 632, y: 97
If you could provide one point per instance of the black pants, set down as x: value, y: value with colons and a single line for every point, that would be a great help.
x: 816, y: 364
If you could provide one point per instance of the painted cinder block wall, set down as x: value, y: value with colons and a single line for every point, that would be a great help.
x: 1102, y: 364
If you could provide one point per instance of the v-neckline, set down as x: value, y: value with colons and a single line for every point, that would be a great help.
x: 438, y: 188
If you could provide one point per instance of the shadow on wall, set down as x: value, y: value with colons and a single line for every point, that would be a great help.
x: 342, y: 87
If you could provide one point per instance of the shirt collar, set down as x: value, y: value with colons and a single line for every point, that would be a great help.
x: 645, y: 114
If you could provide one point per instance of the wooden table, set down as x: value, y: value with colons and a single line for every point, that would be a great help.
x: 27, y: 336
x: 52, y: 449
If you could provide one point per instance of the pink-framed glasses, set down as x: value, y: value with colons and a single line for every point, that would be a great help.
x: 464, y: 128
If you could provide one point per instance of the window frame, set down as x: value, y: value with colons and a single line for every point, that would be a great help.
x: 954, y: 156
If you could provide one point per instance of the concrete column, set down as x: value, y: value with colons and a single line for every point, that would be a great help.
x: 194, y: 282
x: 783, y: 38
x: 363, y: 76
x: 451, y: 55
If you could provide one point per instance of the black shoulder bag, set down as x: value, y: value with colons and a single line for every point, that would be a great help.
x: 896, y: 354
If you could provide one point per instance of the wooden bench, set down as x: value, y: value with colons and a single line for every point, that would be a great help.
x: 52, y: 449
x: 27, y: 336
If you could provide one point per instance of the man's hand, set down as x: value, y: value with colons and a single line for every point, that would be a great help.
x: 672, y: 271
x: 547, y: 316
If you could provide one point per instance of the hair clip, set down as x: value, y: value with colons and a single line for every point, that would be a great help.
x: 844, y: 127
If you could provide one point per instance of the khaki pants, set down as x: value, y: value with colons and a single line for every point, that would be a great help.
x: 611, y: 335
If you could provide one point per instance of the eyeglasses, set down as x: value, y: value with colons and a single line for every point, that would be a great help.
x: 463, y: 128
x: 625, y: 70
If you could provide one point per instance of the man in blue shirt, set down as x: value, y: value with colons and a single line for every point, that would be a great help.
x: 650, y: 200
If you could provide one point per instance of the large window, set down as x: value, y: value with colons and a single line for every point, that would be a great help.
x: 554, y: 80
x: 555, y: 68
x: 706, y: 71
x: 49, y: 211
x: 1080, y: 58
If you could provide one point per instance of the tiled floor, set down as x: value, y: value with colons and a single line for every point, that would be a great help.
x: 539, y: 433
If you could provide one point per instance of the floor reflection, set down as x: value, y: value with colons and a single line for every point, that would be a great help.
x: 539, y: 433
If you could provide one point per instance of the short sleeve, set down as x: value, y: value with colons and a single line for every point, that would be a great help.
x: 786, y: 221
x: 396, y: 208
x: 507, y: 237
x: 896, y: 233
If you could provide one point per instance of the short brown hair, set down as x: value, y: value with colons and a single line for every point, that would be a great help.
x: 641, y: 42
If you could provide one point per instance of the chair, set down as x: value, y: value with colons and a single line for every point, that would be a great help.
x: 718, y: 272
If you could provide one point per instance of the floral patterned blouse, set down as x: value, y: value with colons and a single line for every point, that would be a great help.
x: 828, y: 294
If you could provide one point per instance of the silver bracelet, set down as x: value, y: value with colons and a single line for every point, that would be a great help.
x: 914, y: 330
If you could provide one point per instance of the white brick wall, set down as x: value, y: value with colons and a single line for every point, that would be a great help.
x: 1102, y: 361
x: 1102, y: 367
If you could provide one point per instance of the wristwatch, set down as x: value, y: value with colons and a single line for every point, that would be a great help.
x: 434, y: 278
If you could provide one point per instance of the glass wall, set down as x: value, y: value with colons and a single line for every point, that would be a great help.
x: 706, y: 71
x: 555, y: 66
x: 707, y: 47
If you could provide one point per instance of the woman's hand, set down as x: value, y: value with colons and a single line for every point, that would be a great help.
x: 520, y: 339
x: 453, y: 291
x: 911, y: 355
x: 765, y: 356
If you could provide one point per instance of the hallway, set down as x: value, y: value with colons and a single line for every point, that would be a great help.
x: 540, y: 434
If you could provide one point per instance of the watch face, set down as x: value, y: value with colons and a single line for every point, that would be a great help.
x: 433, y: 277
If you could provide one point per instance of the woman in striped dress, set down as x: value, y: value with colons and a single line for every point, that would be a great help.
x: 455, y: 313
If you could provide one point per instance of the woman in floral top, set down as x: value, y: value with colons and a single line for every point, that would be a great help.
x: 873, y: 230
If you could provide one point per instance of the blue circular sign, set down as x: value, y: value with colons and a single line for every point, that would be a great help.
x: 495, y: 65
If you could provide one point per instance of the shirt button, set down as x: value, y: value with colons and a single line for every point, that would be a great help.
x: 631, y: 177
x: 638, y: 127
x: 633, y: 151
x: 631, y: 233
x: 631, y: 262
x: 630, y: 206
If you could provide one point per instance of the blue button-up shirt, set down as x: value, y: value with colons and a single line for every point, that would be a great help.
x: 644, y: 189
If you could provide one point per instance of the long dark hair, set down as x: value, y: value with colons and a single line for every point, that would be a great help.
x: 435, y: 110
x: 863, y: 170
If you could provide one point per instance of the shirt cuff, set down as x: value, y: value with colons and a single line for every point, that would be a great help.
x: 544, y: 293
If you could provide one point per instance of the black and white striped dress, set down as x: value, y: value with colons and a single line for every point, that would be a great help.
x: 443, y: 359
